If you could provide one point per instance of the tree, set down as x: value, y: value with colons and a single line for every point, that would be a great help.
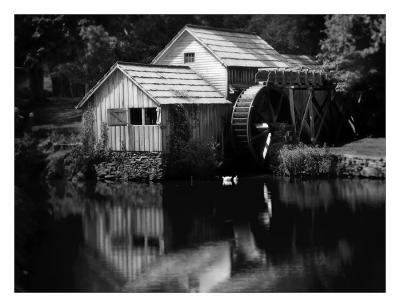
x: 297, y: 34
x: 43, y: 40
x: 354, y: 51
x: 94, y: 57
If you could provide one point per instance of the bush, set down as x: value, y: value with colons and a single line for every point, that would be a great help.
x: 194, y: 159
x: 303, y: 160
x: 188, y: 157
x: 79, y: 160
x: 82, y: 159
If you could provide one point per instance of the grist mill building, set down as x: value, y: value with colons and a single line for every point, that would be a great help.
x: 233, y: 86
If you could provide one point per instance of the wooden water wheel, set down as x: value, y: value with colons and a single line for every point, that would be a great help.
x: 255, y: 116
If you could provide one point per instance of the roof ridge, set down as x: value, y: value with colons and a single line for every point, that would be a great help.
x: 220, y: 29
x: 151, y: 65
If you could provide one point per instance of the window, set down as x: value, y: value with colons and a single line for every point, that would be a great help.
x: 188, y: 57
x: 150, y: 116
x: 117, y: 117
x: 135, y: 116
x: 145, y: 116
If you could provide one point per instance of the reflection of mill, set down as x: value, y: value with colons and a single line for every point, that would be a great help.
x: 128, y: 238
x: 176, y: 248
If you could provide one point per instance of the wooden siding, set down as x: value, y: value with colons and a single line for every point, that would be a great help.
x: 240, y: 77
x: 207, y: 122
x: 119, y: 92
x: 205, y: 64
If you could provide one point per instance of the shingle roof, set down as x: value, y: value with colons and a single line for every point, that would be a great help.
x: 242, y: 49
x: 166, y: 84
x: 236, y: 48
x: 305, y: 61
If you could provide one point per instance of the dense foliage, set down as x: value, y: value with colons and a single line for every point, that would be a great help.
x: 303, y: 160
x: 354, y: 51
x: 188, y: 157
x: 292, y: 34
x: 354, y: 48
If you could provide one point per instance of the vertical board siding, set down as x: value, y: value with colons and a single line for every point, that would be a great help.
x: 243, y: 76
x: 205, y: 64
x: 119, y: 92
x: 207, y: 121
x: 213, y: 119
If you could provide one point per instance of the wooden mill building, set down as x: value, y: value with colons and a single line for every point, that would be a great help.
x: 222, y: 78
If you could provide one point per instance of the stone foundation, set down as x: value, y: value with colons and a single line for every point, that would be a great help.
x: 132, y: 166
x: 359, y: 166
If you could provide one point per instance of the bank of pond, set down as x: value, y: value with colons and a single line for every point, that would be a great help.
x: 77, y: 162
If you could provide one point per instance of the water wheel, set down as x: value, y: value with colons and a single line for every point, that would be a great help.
x: 255, y: 116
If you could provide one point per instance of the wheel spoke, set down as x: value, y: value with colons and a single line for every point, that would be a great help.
x: 267, y: 142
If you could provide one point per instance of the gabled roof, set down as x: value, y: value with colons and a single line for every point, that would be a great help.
x: 233, y: 48
x: 165, y: 84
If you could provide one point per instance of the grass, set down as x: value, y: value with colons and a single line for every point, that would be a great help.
x: 367, y: 147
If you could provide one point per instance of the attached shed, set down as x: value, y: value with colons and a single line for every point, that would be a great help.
x: 134, y: 101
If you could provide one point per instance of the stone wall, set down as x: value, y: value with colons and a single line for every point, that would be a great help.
x: 132, y: 166
x: 360, y: 166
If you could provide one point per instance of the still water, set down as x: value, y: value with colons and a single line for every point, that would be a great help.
x: 261, y: 235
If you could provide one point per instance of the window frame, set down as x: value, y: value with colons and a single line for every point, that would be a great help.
x: 189, y: 57
x: 143, y: 112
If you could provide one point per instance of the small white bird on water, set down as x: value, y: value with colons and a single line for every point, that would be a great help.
x: 226, y: 180
x: 235, y: 180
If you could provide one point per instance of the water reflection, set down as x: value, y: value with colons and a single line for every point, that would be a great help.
x: 325, y: 235
x: 128, y: 238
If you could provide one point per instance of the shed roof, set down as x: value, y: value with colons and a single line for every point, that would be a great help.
x: 233, y: 48
x: 165, y: 84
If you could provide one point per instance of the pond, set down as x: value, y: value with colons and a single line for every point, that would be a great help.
x: 261, y: 235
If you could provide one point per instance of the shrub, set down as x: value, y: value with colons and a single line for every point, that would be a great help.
x: 195, y: 158
x: 87, y: 133
x: 83, y: 158
x: 188, y: 157
x: 303, y: 160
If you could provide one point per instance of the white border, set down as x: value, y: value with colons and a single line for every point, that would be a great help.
x: 8, y: 8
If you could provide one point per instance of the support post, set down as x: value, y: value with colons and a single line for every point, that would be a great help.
x: 311, y: 117
x: 292, y: 113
